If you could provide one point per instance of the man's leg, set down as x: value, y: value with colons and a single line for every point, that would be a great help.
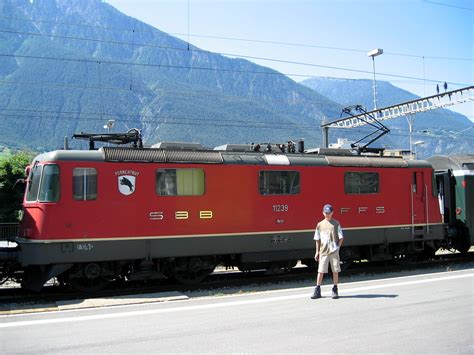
x: 317, y: 290
x: 322, y: 269
x: 336, y: 268
x: 319, y: 279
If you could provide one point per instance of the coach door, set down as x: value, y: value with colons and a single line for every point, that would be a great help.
x: 418, y: 196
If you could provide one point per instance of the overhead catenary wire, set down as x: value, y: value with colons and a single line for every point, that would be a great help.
x: 207, y: 93
x: 236, y: 55
x: 132, y: 64
x: 228, y: 38
x: 190, y: 121
x: 268, y: 71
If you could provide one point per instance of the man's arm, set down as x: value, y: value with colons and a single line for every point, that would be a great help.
x: 318, y: 245
x: 340, y: 236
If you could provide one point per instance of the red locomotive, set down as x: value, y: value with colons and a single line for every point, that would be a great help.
x: 180, y: 210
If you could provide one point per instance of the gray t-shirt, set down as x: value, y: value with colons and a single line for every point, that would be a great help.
x: 328, y: 233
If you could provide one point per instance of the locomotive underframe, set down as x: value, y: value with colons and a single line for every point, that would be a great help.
x: 250, y: 247
x: 45, y: 260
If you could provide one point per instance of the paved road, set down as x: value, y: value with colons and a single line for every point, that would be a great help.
x: 430, y: 313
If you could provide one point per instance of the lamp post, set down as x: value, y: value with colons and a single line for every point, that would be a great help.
x: 417, y: 143
x: 109, y: 125
x: 374, y: 53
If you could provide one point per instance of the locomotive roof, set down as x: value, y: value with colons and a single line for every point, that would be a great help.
x: 154, y: 155
x: 453, y: 162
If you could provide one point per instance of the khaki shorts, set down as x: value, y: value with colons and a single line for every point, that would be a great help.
x: 324, y: 261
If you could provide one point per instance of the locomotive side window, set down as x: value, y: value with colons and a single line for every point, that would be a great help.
x: 33, y: 186
x: 361, y: 183
x: 279, y: 182
x: 84, y: 181
x: 49, y: 189
x: 180, y: 182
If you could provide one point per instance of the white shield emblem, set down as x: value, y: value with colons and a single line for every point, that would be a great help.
x: 126, y: 184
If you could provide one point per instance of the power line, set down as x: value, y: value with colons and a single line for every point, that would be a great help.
x: 206, y: 93
x: 184, y: 93
x: 291, y: 44
x: 139, y: 116
x: 268, y: 71
x: 447, y: 5
x: 322, y: 47
x: 201, y: 93
x: 187, y: 49
x: 190, y: 121
x: 287, y: 127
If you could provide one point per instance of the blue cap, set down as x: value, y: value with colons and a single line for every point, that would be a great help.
x: 327, y: 209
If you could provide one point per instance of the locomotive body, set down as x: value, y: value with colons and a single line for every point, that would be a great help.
x: 90, y: 216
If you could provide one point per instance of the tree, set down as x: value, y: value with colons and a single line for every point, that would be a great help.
x: 12, y: 169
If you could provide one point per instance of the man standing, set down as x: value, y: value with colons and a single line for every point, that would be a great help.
x: 329, y: 238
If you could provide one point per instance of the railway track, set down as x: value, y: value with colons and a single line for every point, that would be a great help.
x: 231, y: 281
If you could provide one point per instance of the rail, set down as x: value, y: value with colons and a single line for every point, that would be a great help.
x: 9, y: 230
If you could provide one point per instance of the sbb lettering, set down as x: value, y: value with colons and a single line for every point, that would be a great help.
x: 362, y: 209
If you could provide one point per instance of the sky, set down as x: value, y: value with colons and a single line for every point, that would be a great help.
x: 426, y: 42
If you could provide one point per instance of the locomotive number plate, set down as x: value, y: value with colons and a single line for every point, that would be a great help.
x: 84, y: 246
x: 280, y: 208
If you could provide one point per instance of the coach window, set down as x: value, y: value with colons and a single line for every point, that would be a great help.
x: 180, y: 182
x: 279, y: 182
x: 361, y: 183
x: 84, y: 184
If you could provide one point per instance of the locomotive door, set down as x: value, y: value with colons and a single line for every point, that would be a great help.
x: 418, y: 194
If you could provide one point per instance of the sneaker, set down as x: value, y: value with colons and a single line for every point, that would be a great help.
x: 317, y: 293
x: 334, y: 292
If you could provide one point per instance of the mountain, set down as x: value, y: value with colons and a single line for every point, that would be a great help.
x: 442, y: 130
x: 70, y: 65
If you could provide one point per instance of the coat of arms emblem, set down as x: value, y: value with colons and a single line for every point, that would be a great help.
x: 126, y: 184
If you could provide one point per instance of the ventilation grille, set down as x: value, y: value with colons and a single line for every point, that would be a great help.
x: 367, y: 161
x: 160, y: 155
x: 183, y: 156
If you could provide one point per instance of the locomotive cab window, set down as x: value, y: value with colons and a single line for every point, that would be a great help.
x: 180, y: 182
x: 279, y: 182
x: 84, y: 181
x: 44, y: 184
x: 361, y: 183
x: 34, y: 181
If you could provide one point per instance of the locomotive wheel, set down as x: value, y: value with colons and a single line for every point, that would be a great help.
x: 193, y: 270
x: 90, y: 279
x: 279, y: 268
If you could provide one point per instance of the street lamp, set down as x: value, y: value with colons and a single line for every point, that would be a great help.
x: 416, y: 144
x: 373, y: 53
x: 109, y: 125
